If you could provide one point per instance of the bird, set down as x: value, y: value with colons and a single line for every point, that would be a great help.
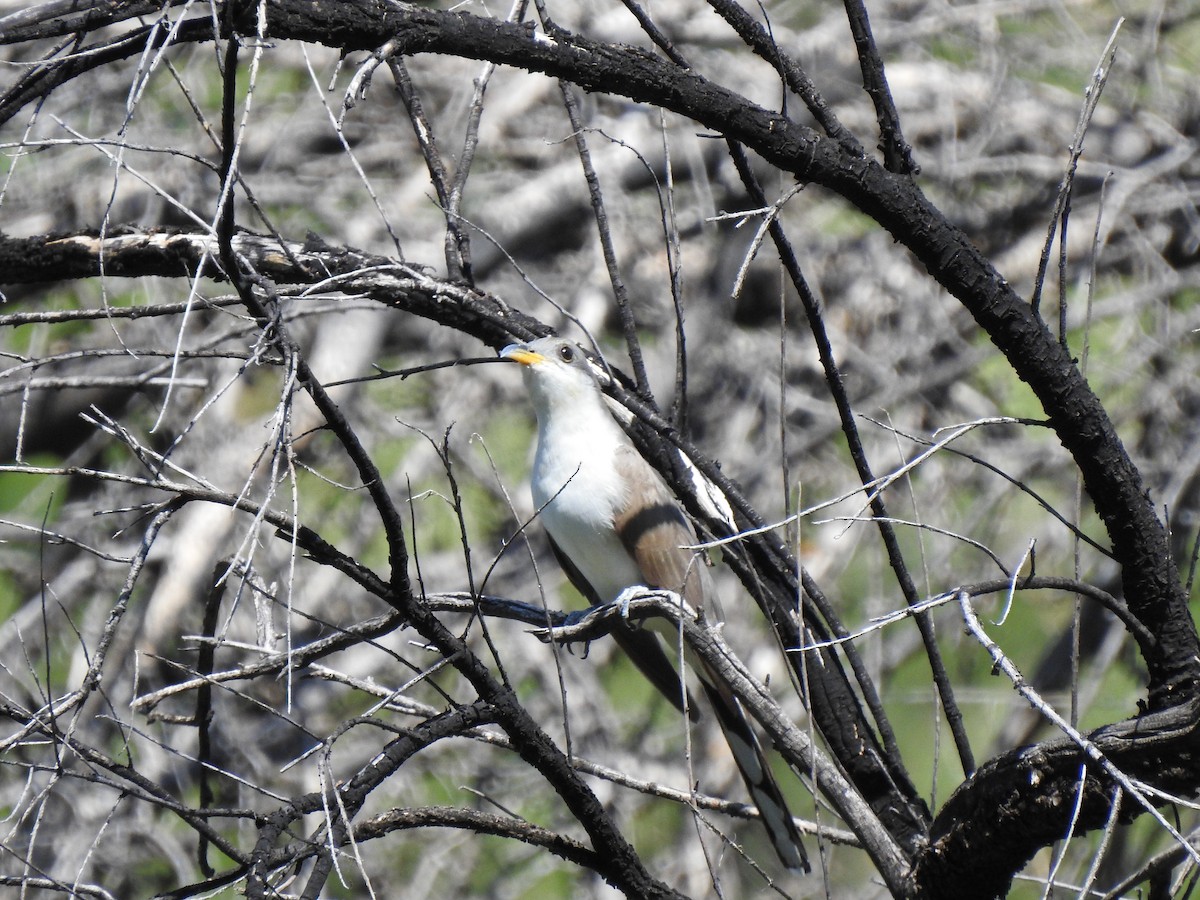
x: 614, y: 525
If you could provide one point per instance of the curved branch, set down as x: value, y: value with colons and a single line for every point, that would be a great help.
x: 758, y: 39
x: 997, y: 810
x: 62, y: 17
x: 480, y: 823
x: 326, y: 269
x: 52, y: 73
x: 897, y: 154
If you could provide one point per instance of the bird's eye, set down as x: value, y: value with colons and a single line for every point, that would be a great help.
x: 566, y: 353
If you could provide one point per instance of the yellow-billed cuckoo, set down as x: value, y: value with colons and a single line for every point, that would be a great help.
x: 613, y: 525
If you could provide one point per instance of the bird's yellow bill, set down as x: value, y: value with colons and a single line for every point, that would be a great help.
x: 523, y: 355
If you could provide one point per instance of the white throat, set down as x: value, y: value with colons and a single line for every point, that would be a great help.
x: 577, y: 445
x: 576, y: 486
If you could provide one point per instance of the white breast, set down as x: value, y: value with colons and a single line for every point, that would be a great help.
x: 576, y: 487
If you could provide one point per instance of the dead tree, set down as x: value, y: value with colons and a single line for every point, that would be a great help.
x: 266, y: 603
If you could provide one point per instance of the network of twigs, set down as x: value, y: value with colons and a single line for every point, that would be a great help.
x: 902, y: 306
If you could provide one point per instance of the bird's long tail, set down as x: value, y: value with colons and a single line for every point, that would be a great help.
x: 764, y: 790
x: 739, y: 735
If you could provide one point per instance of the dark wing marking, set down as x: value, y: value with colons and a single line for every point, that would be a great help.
x: 653, y: 528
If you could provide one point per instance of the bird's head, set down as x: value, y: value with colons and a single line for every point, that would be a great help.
x: 556, y: 372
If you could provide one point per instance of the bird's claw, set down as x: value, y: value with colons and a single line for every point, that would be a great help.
x: 570, y: 620
x: 627, y: 596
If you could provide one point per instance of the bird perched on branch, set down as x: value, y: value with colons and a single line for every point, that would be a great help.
x: 614, y: 524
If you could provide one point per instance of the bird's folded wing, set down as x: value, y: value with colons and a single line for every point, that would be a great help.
x: 654, y: 530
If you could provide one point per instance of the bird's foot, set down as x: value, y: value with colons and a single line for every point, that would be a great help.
x: 627, y: 596
x: 584, y: 625
x: 581, y: 626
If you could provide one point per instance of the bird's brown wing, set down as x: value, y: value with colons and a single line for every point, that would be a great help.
x: 654, y: 530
